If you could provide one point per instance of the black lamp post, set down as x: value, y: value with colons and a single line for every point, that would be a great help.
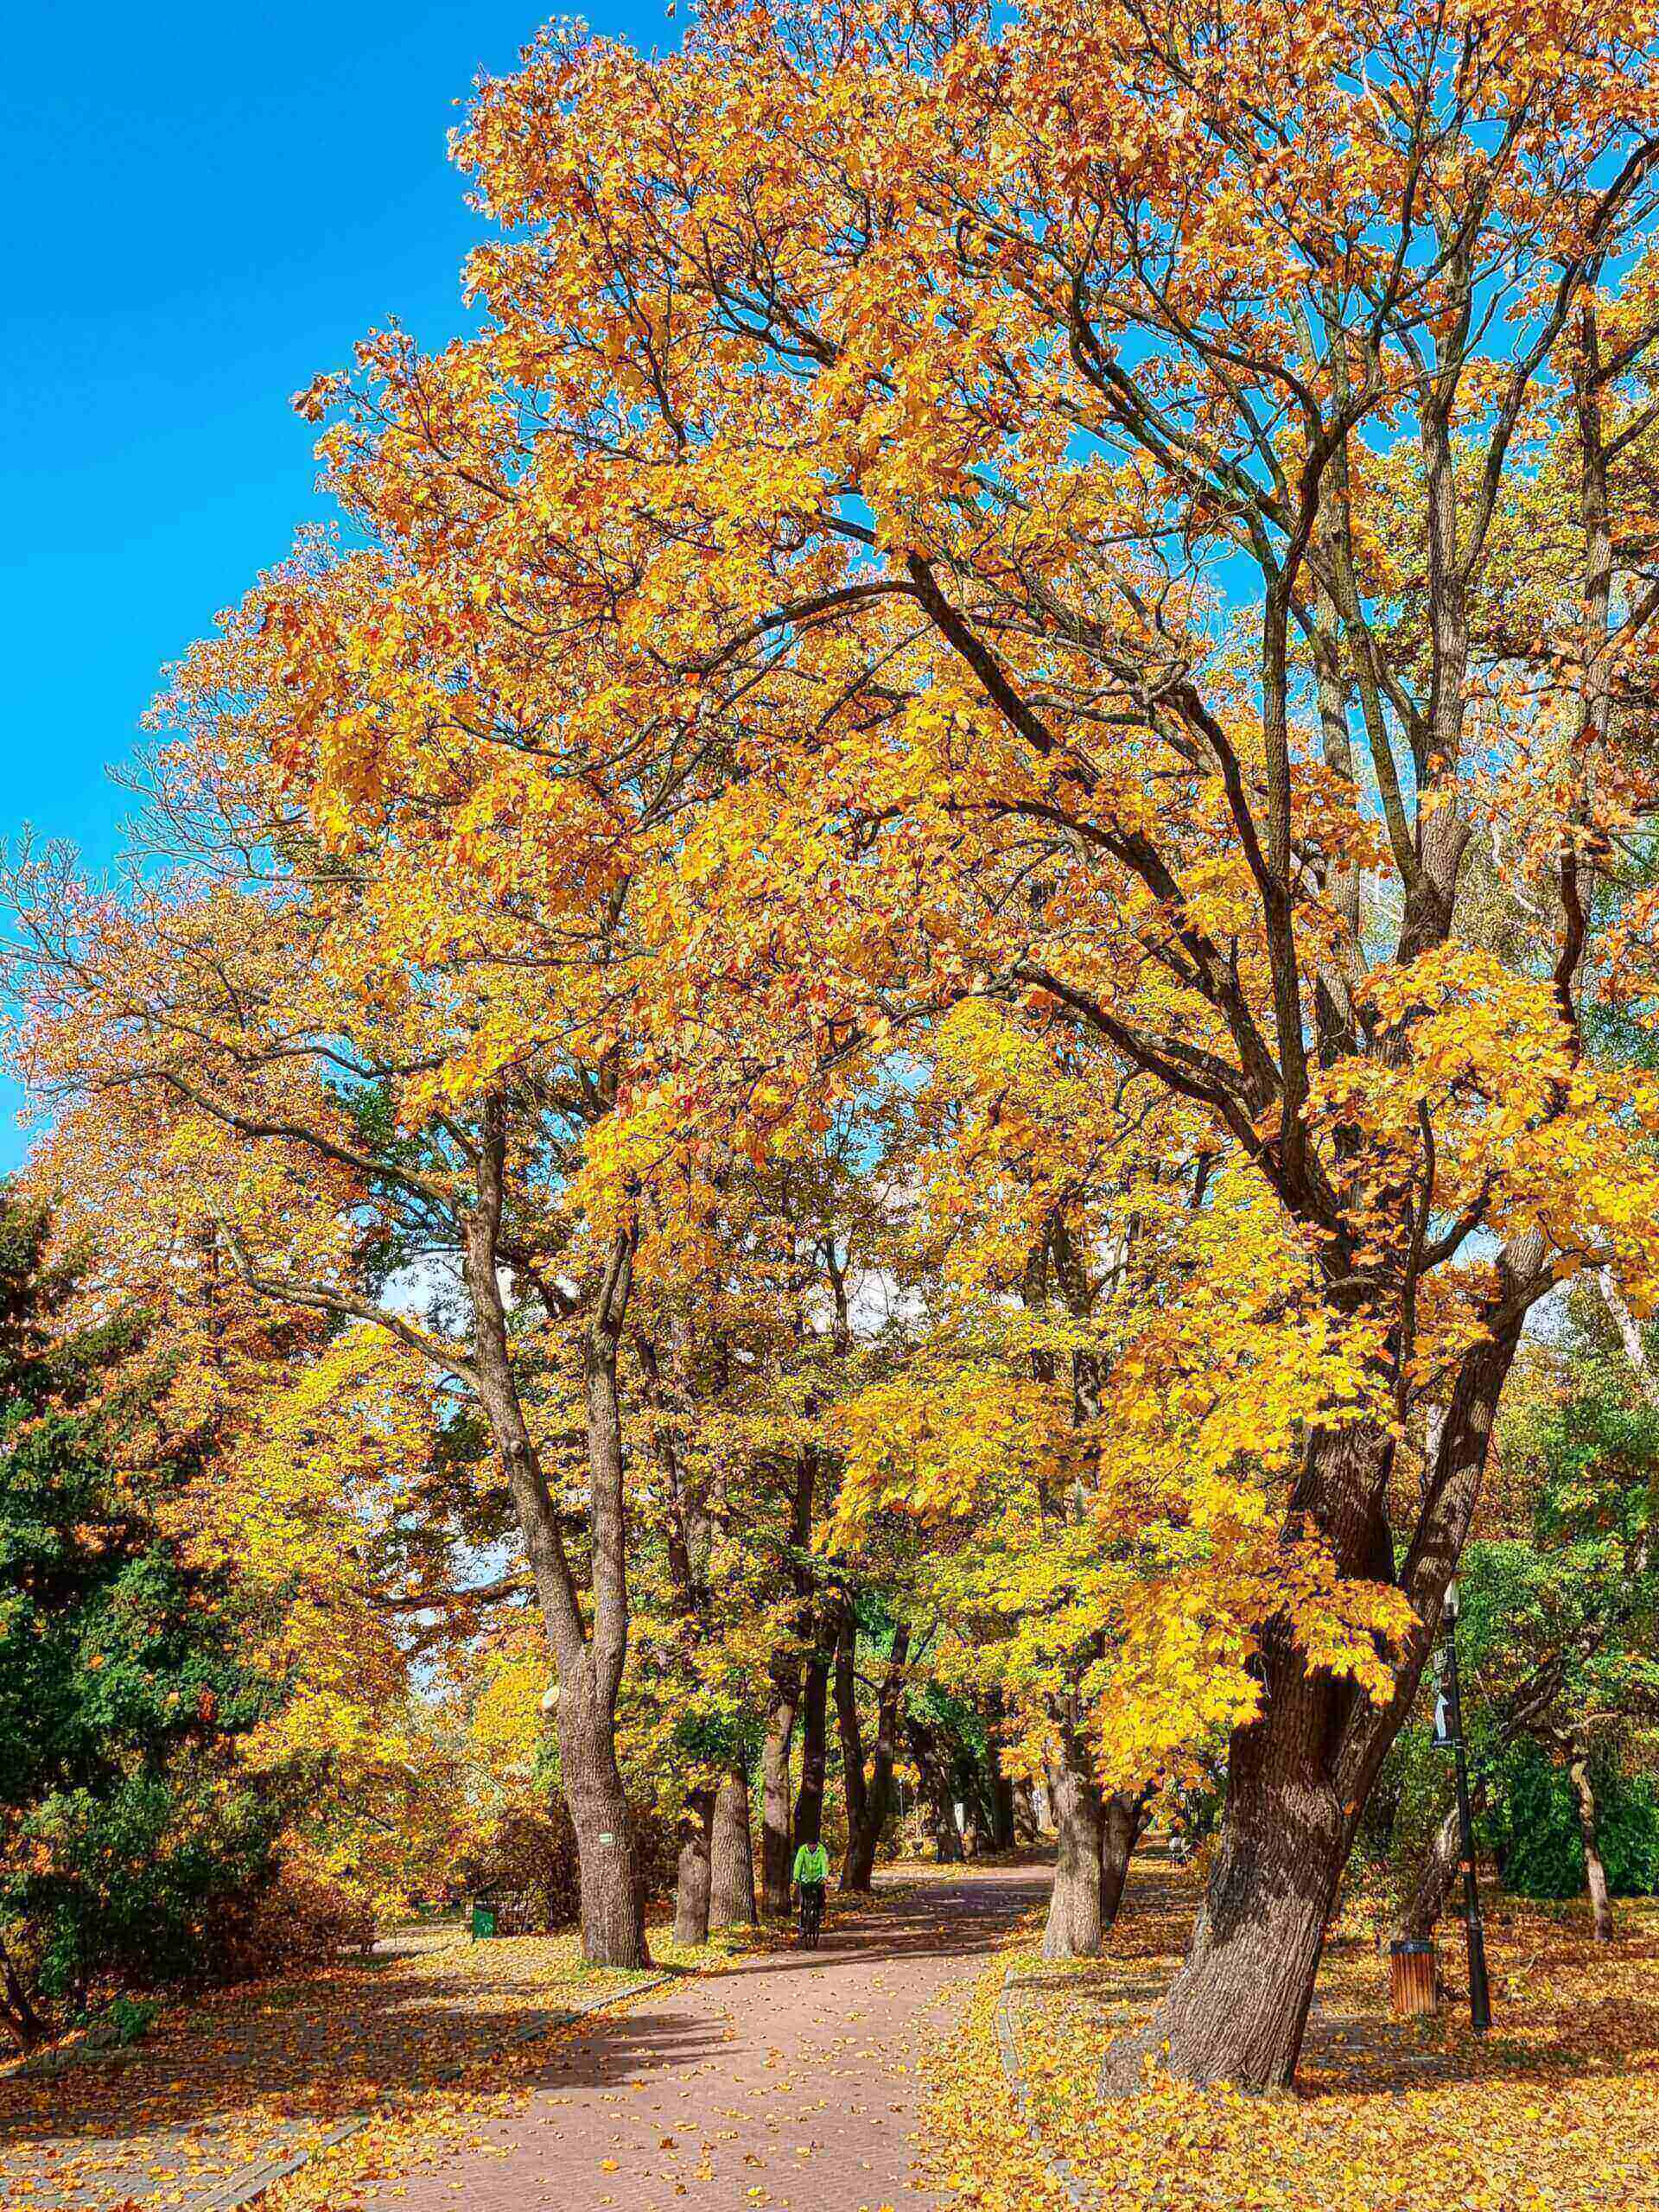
x: 1480, y: 1995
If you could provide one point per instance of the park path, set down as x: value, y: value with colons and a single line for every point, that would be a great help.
x: 790, y: 2081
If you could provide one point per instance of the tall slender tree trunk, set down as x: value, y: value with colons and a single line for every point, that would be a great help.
x: 1026, y: 1827
x: 589, y: 1663
x: 847, y: 1722
x: 1584, y: 1796
x: 612, y: 1875
x: 1435, y: 1876
x: 815, y: 1700
x: 1072, y: 1929
x: 712, y: 1885
x: 779, y: 1831
x: 732, y: 1897
x: 1001, y: 1797
x: 692, y: 1879
x: 777, y: 1847
x: 876, y: 1798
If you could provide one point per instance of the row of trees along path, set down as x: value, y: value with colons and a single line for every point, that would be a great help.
x: 1114, y: 536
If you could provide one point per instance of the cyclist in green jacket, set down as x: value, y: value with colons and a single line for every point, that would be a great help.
x: 811, y: 1872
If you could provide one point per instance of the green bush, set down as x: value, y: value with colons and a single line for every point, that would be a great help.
x: 1533, y: 1829
x: 124, y: 2020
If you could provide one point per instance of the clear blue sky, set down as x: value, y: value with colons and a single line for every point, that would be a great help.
x: 205, y: 206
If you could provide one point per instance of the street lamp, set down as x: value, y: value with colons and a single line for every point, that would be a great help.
x: 1480, y: 1996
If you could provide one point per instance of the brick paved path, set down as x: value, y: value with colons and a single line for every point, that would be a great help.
x: 188, y: 2119
x: 789, y: 2081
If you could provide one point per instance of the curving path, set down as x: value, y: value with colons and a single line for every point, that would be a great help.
x: 789, y: 2081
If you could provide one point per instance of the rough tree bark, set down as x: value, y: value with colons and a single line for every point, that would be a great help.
x: 1001, y: 1797
x: 1434, y: 1878
x: 1027, y: 1826
x: 1072, y: 1929
x: 935, y: 1789
x: 611, y: 1878
x: 1298, y: 1777
x: 692, y: 1874
x: 731, y: 1903
x: 776, y: 1839
x: 846, y: 1722
x: 589, y: 1665
x: 1122, y: 1813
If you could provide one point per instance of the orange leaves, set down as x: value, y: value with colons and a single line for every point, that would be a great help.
x: 1548, y: 2112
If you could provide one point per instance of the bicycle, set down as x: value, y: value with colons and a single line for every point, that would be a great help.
x: 811, y: 1914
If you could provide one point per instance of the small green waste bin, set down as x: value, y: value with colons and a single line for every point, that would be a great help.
x: 483, y: 1917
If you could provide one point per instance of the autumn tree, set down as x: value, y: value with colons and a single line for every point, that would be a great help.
x: 1034, y: 1205
x: 1090, y: 457
x: 1041, y: 506
x: 351, y: 1104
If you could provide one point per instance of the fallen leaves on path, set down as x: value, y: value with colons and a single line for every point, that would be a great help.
x: 691, y: 2117
x: 1553, y: 2112
x: 259, y: 2072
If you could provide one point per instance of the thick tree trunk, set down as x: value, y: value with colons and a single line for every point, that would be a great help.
x: 814, y: 1700
x: 1589, y: 1829
x: 732, y: 1899
x: 1120, y: 1832
x: 1298, y: 1777
x: 1073, y: 1930
x: 613, y: 1880
x: 777, y: 1848
x: 692, y: 1879
x: 1237, y: 2009
x: 935, y: 1789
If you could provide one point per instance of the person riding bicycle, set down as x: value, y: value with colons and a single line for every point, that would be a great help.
x: 811, y: 1872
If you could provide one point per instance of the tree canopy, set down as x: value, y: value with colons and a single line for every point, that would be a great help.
x: 931, y: 897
